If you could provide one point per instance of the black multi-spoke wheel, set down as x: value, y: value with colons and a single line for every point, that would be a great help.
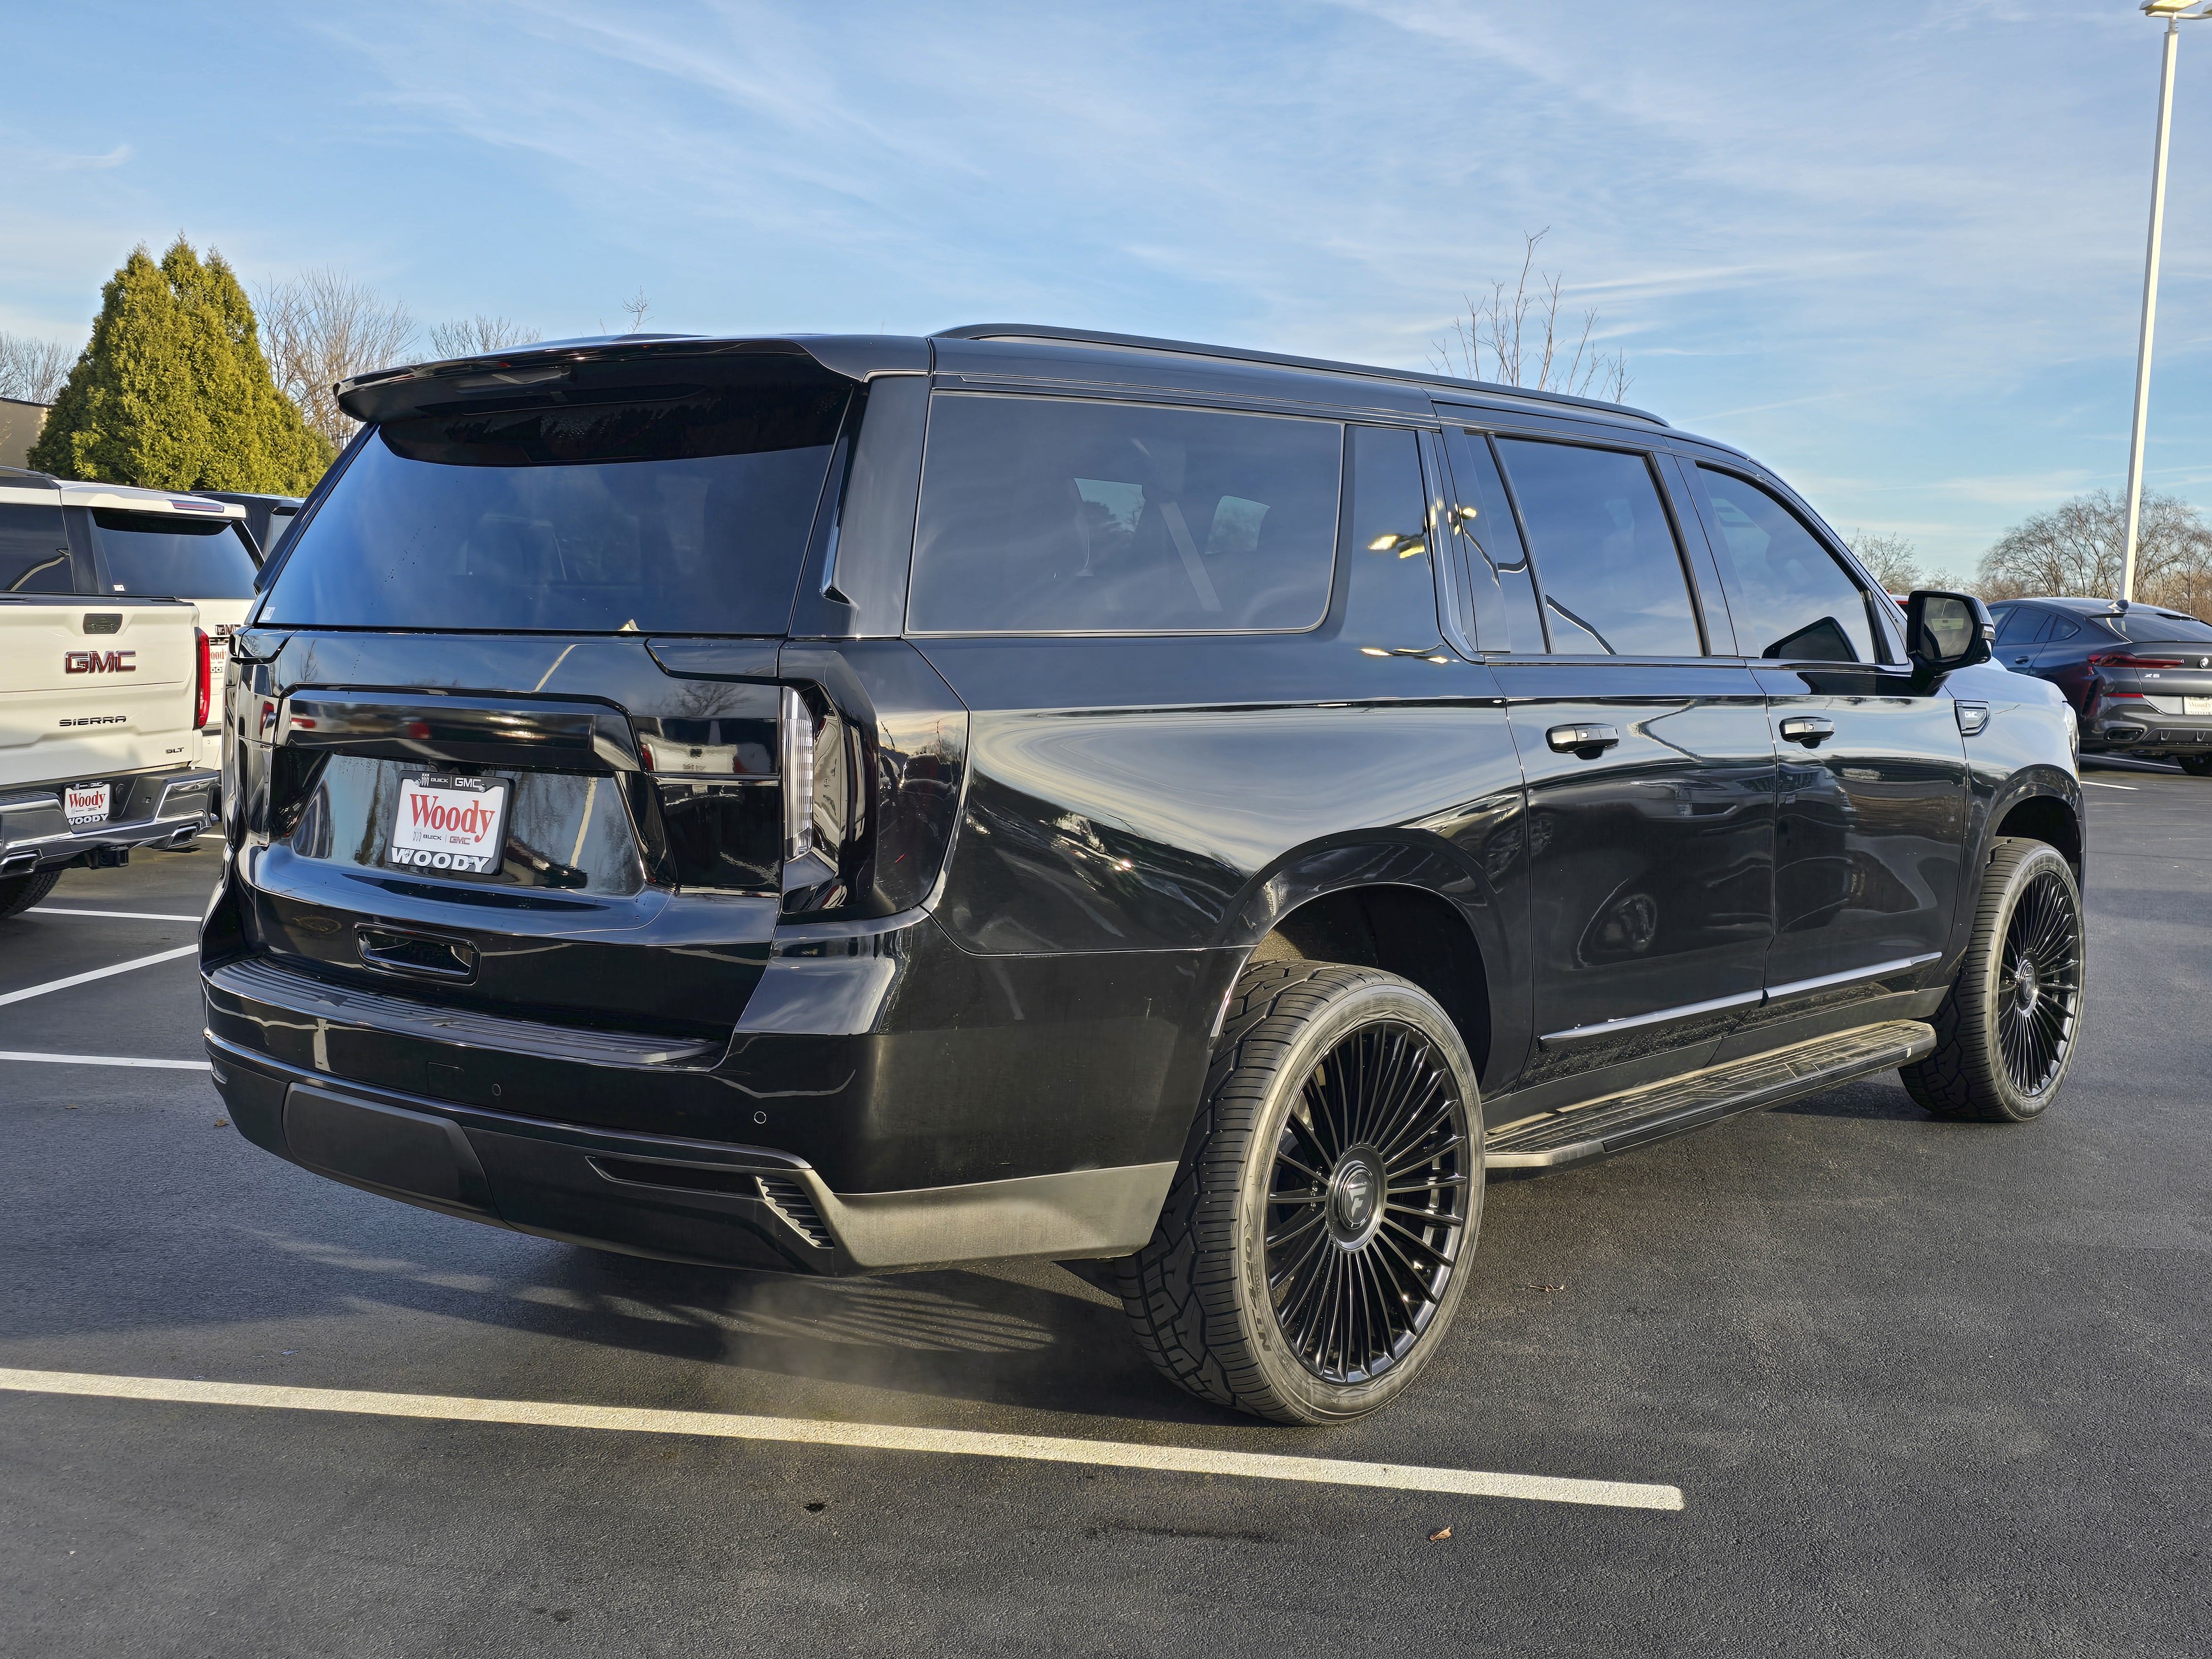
x: 1313, y: 1247
x: 2039, y: 983
x: 1367, y: 1206
x: 2006, y: 1033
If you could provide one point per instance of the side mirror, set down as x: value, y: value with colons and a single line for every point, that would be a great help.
x: 1947, y: 631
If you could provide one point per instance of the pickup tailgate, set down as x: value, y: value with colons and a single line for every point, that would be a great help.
x: 92, y: 688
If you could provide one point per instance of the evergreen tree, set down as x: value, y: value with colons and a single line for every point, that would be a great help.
x: 173, y: 392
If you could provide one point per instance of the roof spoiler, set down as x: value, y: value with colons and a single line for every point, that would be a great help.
x: 387, y: 394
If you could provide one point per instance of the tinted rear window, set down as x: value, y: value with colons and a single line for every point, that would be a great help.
x: 670, y: 507
x: 33, y: 550
x: 1052, y: 515
x: 179, y: 557
x: 2148, y: 626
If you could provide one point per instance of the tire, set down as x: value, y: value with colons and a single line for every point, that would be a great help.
x: 2005, y: 1038
x: 2197, y: 766
x: 19, y: 893
x: 1361, y: 1079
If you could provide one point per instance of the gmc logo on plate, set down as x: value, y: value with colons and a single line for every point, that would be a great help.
x: 100, y: 662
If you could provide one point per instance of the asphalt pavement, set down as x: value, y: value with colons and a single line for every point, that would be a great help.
x: 1925, y: 1387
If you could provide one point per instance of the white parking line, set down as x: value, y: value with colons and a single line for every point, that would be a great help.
x: 105, y: 1060
x: 119, y: 915
x: 98, y: 973
x: 2093, y: 784
x: 1179, y: 1460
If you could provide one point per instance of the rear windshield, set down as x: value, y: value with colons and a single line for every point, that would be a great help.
x: 2148, y: 627
x: 175, y: 556
x: 677, y: 507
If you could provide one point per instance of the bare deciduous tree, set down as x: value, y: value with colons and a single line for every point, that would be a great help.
x: 322, y: 326
x: 1890, y: 559
x: 639, y: 308
x: 32, y: 369
x: 2076, y: 547
x: 478, y: 336
x: 1522, y: 338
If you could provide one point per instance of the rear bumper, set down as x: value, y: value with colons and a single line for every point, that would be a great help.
x: 676, y: 1200
x: 152, y: 809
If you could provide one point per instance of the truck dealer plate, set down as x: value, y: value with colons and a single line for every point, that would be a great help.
x: 86, y: 803
x: 449, y: 823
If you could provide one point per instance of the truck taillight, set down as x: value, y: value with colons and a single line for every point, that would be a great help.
x: 203, y: 689
x: 796, y: 742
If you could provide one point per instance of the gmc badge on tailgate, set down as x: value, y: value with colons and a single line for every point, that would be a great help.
x: 100, y: 662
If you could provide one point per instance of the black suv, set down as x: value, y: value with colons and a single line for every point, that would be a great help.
x: 2139, y: 676
x: 837, y: 803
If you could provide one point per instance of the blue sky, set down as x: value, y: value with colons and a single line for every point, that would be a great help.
x: 1893, y: 250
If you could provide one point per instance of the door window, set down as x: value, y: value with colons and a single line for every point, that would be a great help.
x: 1790, y: 599
x: 34, y: 555
x: 1606, y: 562
x: 1390, y: 597
x: 2022, y: 625
x: 1487, y: 520
x: 1055, y: 515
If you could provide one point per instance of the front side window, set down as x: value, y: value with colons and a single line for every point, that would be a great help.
x: 1790, y: 599
x: 175, y: 557
x: 680, y: 504
x: 1606, y: 558
x: 1054, y: 515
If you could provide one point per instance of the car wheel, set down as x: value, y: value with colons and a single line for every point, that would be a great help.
x: 1315, y: 1244
x: 19, y: 893
x: 2005, y: 1035
x: 2197, y: 766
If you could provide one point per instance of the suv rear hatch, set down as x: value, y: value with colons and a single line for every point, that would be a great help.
x: 507, y: 729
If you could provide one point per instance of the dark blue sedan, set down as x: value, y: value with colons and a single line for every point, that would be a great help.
x: 2140, y: 678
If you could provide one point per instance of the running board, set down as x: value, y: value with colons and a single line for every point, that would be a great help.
x: 1614, y: 1123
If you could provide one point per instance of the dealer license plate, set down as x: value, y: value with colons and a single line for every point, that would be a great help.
x: 2196, y: 705
x: 450, y: 823
x: 86, y: 803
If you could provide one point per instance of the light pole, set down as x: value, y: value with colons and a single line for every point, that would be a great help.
x: 2176, y: 13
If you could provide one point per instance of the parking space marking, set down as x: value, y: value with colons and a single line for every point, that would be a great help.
x: 2130, y: 787
x: 119, y: 915
x: 104, y: 1060
x: 876, y: 1437
x: 99, y: 973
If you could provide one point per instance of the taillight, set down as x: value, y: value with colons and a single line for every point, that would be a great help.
x: 2129, y: 659
x: 204, y: 689
x: 796, y: 746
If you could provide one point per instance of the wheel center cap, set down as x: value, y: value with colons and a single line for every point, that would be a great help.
x: 1355, y: 1198
x: 2027, y: 989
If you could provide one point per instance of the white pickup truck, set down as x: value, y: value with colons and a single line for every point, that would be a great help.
x: 102, y: 697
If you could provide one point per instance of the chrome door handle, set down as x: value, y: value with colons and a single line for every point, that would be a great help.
x: 1808, y: 729
x: 1587, y: 741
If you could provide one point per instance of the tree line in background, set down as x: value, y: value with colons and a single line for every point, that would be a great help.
x: 188, y: 383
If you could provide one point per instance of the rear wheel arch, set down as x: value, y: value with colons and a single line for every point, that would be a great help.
x: 1413, y: 932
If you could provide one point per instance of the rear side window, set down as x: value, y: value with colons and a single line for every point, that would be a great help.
x: 1605, y: 552
x: 678, y: 505
x: 33, y: 550
x: 1052, y: 515
x: 168, y: 554
x: 1790, y: 600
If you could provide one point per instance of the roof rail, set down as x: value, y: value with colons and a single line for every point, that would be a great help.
x: 1237, y: 354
